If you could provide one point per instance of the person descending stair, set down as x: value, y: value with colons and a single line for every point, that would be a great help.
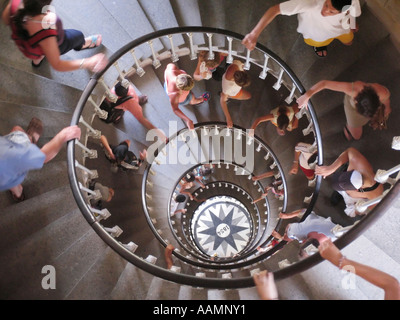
x: 38, y: 32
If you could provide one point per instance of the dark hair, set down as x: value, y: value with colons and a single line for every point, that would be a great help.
x: 367, y: 102
x: 312, y: 159
x: 189, y: 177
x: 180, y: 198
x: 241, y: 78
x: 30, y: 8
x: 283, y: 119
x: 340, y: 4
x: 120, y: 90
x: 213, y: 63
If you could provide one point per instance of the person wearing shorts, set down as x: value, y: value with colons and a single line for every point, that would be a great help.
x: 319, y: 21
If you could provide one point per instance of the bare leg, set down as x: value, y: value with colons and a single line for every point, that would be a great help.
x: 168, y: 255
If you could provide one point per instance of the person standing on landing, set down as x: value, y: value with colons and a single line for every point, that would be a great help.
x: 319, y: 21
x: 363, y: 103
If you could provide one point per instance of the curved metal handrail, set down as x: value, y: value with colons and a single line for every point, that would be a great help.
x: 118, y: 247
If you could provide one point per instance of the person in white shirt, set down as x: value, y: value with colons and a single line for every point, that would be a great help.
x: 233, y: 81
x: 320, y: 22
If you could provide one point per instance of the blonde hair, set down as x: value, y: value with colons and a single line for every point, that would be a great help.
x: 184, y: 82
x: 210, y: 63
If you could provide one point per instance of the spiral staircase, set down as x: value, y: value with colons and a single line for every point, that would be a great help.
x: 102, y: 254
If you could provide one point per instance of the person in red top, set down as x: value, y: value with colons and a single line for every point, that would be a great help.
x: 39, y: 33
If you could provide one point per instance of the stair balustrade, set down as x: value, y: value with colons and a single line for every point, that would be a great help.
x: 129, y: 62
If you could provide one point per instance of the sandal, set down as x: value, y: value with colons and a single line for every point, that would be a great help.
x: 20, y: 198
x: 37, y: 65
x: 321, y: 52
x: 143, y: 100
x: 95, y: 41
x: 34, y: 130
x: 348, y: 134
x: 206, y: 96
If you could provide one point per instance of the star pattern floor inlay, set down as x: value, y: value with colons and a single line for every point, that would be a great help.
x: 221, y: 227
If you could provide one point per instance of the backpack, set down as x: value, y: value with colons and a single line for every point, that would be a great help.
x: 30, y: 47
x: 114, y: 115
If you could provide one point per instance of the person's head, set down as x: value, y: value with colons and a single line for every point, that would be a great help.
x: 190, y: 177
x: 347, y: 181
x: 184, y: 82
x: 334, y: 7
x: 241, y: 78
x: 180, y: 198
x: 312, y: 160
x: 30, y: 8
x: 122, y: 88
x: 282, y: 121
x: 367, y: 102
x: 213, y: 63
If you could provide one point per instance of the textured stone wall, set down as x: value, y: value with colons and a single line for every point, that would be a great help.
x: 388, y: 12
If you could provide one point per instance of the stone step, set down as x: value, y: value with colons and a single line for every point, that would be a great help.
x: 99, y: 281
x: 161, y: 15
x: 328, y: 283
x: 11, y: 56
x: 30, y: 216
x: 23, y: 261
x: 133, y: 284
x: 34, y: 90
x: 162, y: 290
x: 84, y: 252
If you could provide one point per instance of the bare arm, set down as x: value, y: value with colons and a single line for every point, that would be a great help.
x: 266, y: 118
x: 295, y: 165
x: 265, y: 285
x: 263, y: 175
x: 225, y: 109
x: 262, y: 197
x: 52, y: 53
x: 356, y: 162
x: 292, y: 214
x: 52, y: 148
x: 106, y: 145
x: 250, y: 40
x: 174, y: 99
x: 378, y: 278
x: 345, y: 87
x: 6, y: 15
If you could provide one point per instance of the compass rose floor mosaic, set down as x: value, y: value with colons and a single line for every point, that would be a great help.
x: 221, y: 227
